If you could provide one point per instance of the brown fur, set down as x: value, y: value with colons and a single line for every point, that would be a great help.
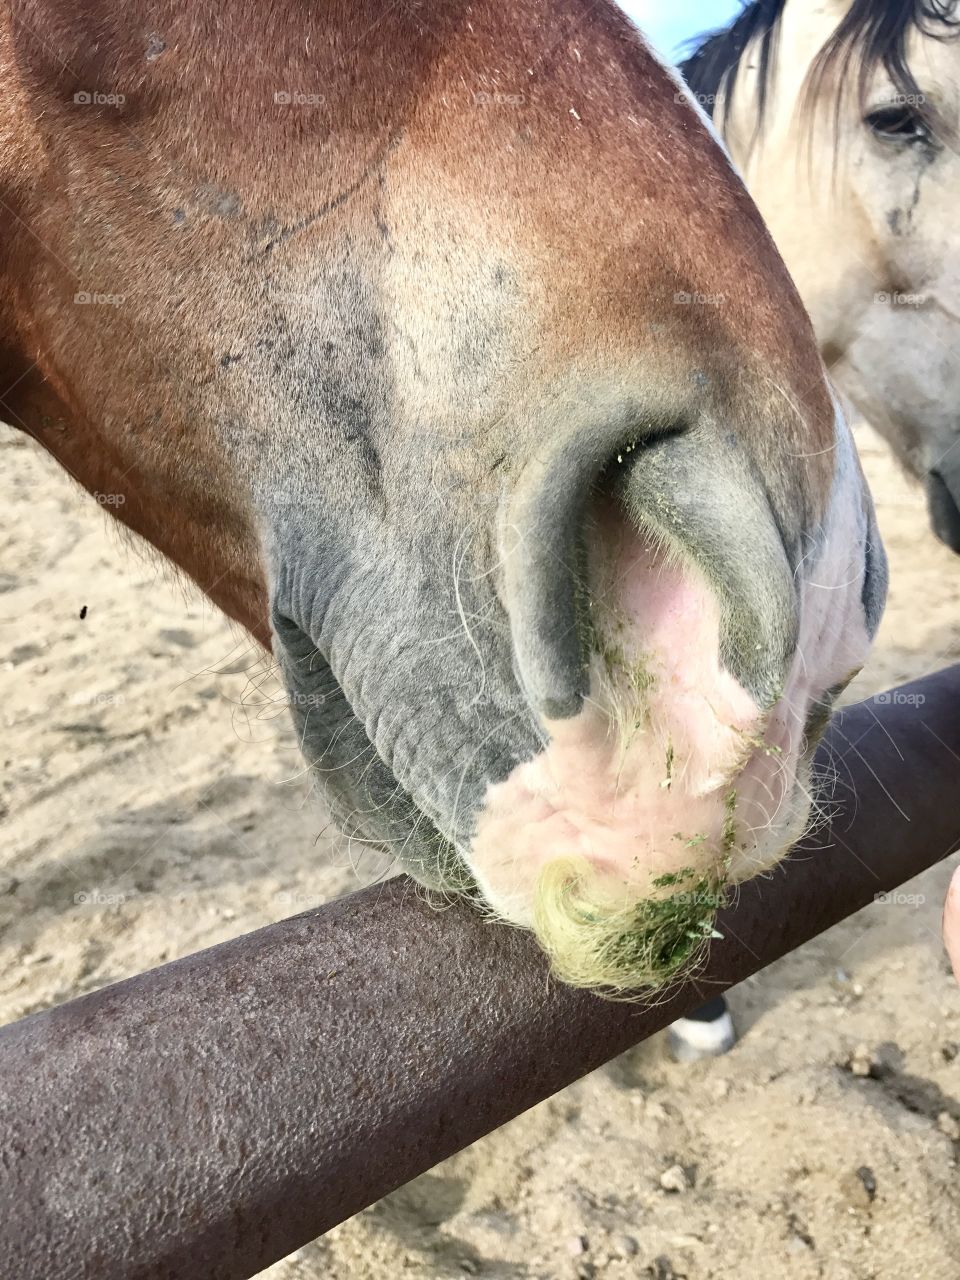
x: 178, y: 198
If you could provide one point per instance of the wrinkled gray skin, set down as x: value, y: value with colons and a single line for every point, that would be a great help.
x: 412, y: 686
x: 434, y: 684
x: 363, y: 547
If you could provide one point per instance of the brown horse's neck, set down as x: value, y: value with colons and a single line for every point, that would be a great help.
x: 120, y: 425
x: 207, y: 536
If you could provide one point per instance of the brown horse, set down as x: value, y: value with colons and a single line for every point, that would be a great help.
x: 442, y: 348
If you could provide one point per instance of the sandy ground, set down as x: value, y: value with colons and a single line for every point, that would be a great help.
x: 152, y: 802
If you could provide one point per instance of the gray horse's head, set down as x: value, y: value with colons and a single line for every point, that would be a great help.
x: 845, y: 119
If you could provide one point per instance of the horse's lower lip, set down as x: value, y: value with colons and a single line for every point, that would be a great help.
x: 942, y: 501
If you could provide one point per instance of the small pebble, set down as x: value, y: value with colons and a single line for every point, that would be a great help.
x: 578, y: 1245
x: 868, y: 1179
x: 861, y: 1062
x: 858, y: 1188
x: 628, y: 1246
x: 674, y: 1180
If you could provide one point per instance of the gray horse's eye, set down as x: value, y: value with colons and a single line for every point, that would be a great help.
x: 899, y: 123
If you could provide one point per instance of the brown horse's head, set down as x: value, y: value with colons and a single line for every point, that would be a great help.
x: 442, y: 346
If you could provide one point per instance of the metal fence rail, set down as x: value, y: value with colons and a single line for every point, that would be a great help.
x: 206, y: 1118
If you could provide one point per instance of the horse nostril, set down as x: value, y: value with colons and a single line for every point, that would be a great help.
x: 543, y: 557
x: 713, y: 513
x: 675, y: 485
x: 544, y: 550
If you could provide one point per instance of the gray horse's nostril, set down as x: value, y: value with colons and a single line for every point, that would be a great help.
x: 702, y: 500
x: 674, y: 484
x: 544, y: 561
x: 543, y: 546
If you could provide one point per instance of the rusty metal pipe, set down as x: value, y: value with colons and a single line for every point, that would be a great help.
x: 209, y: 1117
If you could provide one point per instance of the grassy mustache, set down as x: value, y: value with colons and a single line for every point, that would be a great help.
x: 628, y: 947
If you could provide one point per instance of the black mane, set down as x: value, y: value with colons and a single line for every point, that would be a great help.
x: 873, y: 33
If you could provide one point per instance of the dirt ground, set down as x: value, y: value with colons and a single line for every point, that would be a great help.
x: 152, y: 802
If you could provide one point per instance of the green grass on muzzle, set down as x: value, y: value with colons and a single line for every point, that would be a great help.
x: 625, y: 951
